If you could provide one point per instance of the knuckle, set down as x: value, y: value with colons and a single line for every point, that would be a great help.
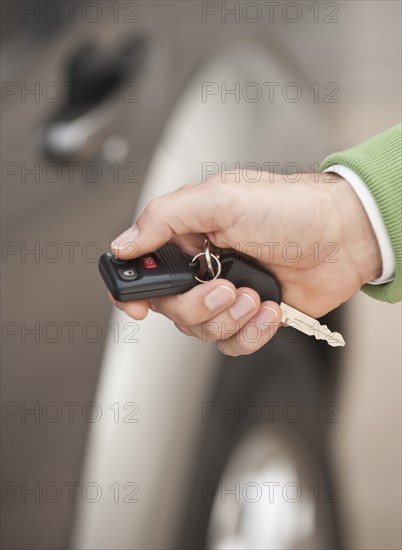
x: 227, y: 349
x: 183, y: 329
x: 211, y: 331
x: 222, y: 330
x: 248, y: 347
x: 231, y: 176
x: 155, y: 208
x: 224, y: 205
x: 153, y: 305
x: 183, y: 312
x: 187, y: 186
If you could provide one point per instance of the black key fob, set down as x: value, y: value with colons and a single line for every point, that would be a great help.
x: 167, y: 271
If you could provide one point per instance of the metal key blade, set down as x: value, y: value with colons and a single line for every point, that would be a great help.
x: 310, y: 326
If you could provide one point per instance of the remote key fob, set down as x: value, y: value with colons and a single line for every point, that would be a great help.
x: 167, y: 271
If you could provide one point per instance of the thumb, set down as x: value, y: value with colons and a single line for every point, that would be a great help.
x: 195, y: 209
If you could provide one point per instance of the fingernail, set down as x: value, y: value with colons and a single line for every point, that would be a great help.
x: 267, y: 316
x: 242, y: 306
x: 219, y: 297
x: 127, y: 237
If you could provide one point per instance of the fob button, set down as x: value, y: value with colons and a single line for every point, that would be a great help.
x: 148, y: 262
x: 128, y: 274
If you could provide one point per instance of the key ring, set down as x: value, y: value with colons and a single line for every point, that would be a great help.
x: 208, y: 255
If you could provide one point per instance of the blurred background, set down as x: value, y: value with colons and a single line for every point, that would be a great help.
x: 118, y: 434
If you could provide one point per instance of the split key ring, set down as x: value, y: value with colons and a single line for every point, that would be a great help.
x: 209, y: 256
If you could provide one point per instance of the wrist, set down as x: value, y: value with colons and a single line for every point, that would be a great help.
x: 356, y: 232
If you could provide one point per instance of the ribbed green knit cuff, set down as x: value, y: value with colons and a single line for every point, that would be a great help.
x: 378, y: 163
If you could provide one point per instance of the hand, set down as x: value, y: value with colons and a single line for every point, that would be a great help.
x: 313, y: 235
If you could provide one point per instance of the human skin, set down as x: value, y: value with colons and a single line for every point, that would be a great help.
x: 333, y: 253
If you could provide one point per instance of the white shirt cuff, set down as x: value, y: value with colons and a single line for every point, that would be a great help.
x: 374, y: 215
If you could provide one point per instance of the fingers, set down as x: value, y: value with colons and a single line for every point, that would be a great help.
x: 241, y: 326
x: 198, y: 305
x: 193, y: 209
x: 229, y: 321
x: 191, y: 308
x: 255, y: 333
x: 217, y: 312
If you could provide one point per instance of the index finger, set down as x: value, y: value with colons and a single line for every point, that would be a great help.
x: 203, y: 208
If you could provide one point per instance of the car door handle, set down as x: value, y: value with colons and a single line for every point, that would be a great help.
x: 96, y: 84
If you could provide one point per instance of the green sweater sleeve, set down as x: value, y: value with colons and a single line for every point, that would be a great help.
x: 378, y: 163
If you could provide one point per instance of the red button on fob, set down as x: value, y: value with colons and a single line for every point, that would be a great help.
x: 148, y: 262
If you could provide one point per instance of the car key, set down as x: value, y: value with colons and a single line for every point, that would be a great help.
x: 244, y: 272
x: 169, y: 270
